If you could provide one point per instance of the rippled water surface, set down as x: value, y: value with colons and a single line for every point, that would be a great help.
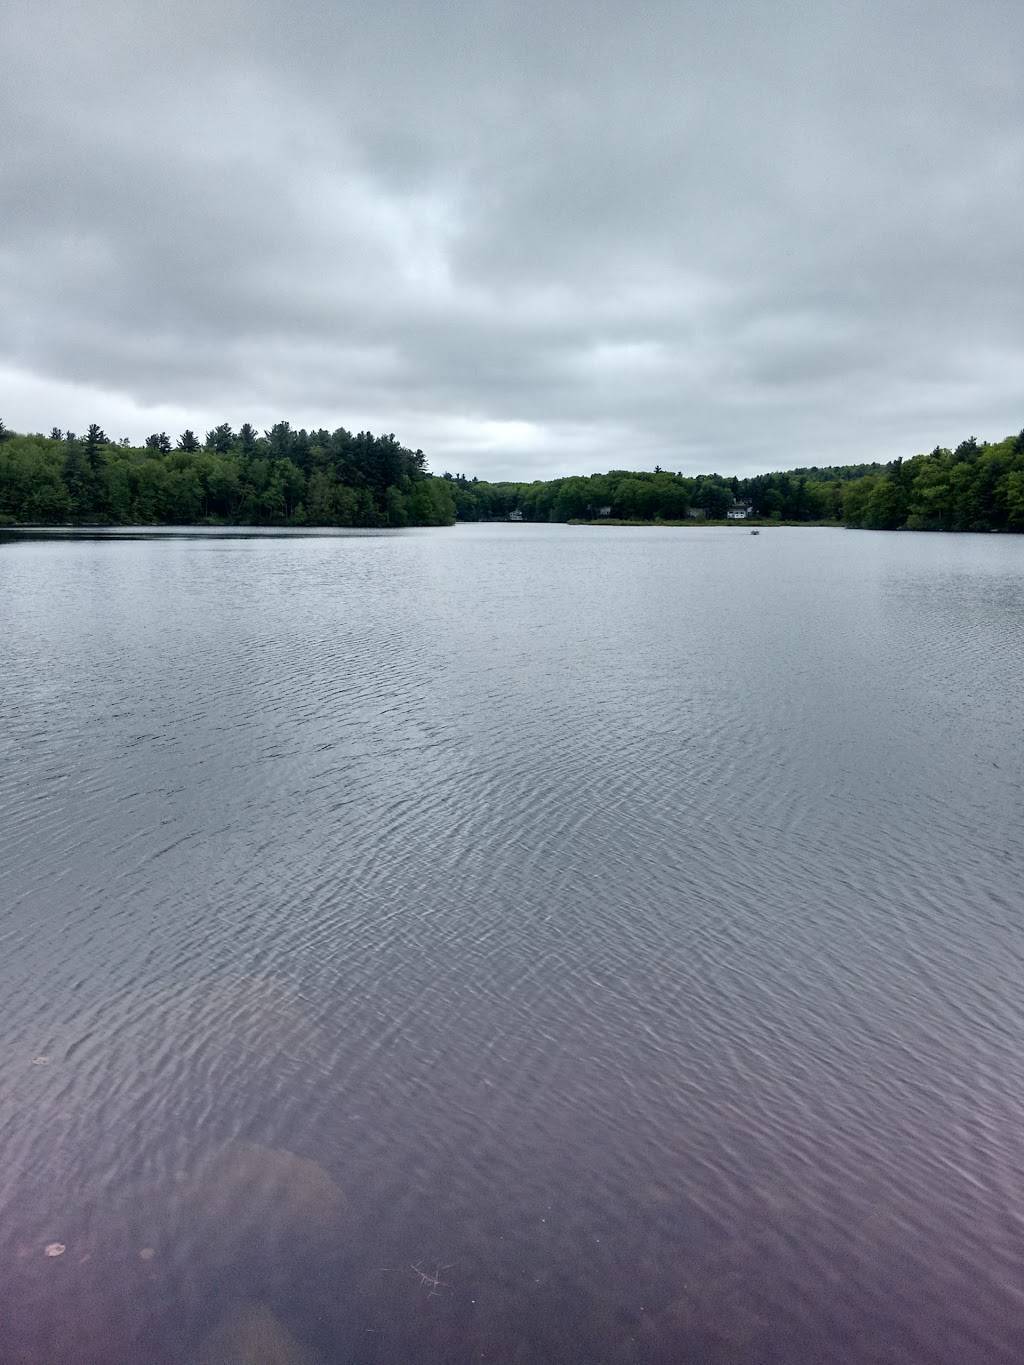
x: 519, y: 944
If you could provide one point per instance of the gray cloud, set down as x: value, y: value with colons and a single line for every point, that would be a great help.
x: 532, y: 239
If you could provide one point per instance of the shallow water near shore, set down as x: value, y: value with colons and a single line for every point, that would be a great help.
x: 512, y: 943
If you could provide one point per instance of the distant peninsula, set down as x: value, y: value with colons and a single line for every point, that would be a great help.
x: 293, y: 477
x: 976, y: 487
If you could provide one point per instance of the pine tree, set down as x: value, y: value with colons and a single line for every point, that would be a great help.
x: 80, y: 479
x: 95, y: 440
x: 280, y: 438
x: 221, y: 439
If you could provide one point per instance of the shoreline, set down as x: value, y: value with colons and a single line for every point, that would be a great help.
x: 752, y: 522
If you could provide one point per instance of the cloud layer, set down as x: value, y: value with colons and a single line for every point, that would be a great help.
x: 533, y: 238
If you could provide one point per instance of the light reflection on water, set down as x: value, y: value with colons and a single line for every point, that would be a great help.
x: 522, y: 943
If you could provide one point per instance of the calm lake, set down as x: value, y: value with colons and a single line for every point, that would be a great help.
x: 512, y: 944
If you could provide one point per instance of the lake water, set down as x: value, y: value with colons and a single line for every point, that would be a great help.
x: 512, y: 944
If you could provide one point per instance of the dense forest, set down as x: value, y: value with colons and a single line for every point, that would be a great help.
x: 319, y: 478
x: 282, y: 477
x: 976, y: 487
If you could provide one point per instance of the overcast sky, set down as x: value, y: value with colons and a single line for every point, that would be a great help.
x: 531, y: 238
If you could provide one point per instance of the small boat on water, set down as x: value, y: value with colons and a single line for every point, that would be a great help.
x: 755, y: 533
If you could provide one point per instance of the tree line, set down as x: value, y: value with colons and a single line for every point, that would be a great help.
x: 280, y: 477
x: 979, y: 486
x: 295, y: 477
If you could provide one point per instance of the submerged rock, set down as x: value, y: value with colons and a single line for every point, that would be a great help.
x: 250, y: 1334
x: 268, y: 1183
x: 264, y: 1212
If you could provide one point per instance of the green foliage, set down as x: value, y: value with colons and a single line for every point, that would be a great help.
x: 322, y: 478
x: 977, y: 487
x: 221, y: 439
x: 95, y: 440
x: 285, y: 477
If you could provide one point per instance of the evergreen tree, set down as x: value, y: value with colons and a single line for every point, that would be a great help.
x: 187, y: 441
x: 280, y: 438
x: 79, y: 479
x: 95, y: 440
x: 221, y: 439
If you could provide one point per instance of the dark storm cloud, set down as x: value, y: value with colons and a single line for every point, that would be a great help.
x: 532, y: 239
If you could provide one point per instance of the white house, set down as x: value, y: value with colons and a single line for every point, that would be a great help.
x: 739, y: 511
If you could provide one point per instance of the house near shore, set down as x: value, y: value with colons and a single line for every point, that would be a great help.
x: 696, y: 513
x: 515, y: 515
x: 739, y: 511
x: 604, y: 511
